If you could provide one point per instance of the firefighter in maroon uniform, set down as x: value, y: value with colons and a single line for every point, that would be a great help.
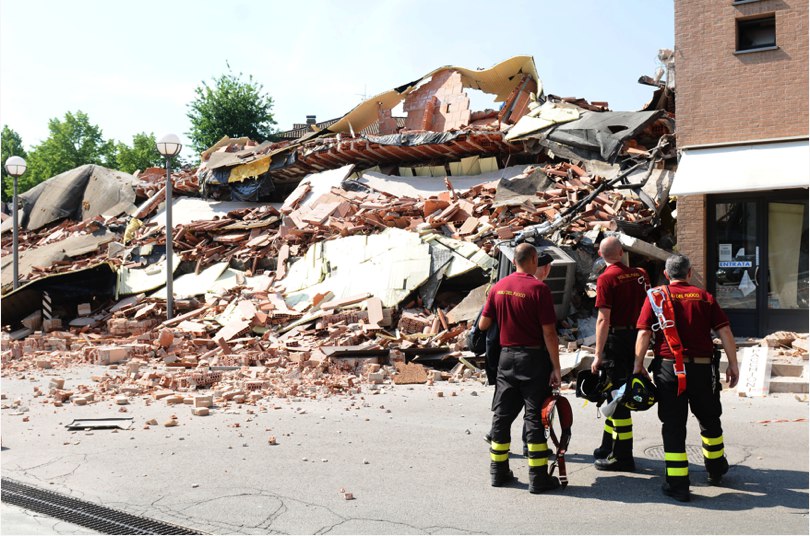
x: 528, y: 369
x: 696, y: 314
x: 620, y: 293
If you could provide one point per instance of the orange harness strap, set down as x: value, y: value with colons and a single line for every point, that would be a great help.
x: 661, y: 302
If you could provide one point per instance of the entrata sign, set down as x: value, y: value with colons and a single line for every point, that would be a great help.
x: 734, y: 264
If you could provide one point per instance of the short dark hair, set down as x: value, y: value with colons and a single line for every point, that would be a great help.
x: 678, y: 266
x: 544, y: 258
x: 523, y: 253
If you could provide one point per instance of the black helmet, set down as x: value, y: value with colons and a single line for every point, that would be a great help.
x: 592, y: 387
x: 639, y: 393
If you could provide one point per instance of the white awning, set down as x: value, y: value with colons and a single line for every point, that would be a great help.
x: 743, y: 168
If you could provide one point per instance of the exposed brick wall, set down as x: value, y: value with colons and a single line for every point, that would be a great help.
x: 388, y: 125
x: 722, y: 96
x: 439, y: 105
x: 692, y: 234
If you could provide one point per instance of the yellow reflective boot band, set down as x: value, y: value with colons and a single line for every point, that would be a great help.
x: 712, y: 454
x: 537, y: 447
x: 608, y: 428
x: 538, y: 462
x: 622, y: 436
x: 677, y: 471
x: 499, y: 452
x: 712, y: 441
x: 623, y: 422
x: 675, y: 456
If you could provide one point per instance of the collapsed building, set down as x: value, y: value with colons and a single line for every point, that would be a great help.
x: 358, y: 247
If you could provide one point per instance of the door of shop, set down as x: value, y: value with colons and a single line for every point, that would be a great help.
x: 757, y: 260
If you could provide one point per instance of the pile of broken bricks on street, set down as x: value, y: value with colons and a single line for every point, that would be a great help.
x: 353, y: 258
x: 244, y: 342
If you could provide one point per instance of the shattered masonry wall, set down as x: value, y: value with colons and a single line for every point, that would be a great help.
x: 691, y: 234
x: 722, y: 96
x: 388, y: 125
x: 439, y: 105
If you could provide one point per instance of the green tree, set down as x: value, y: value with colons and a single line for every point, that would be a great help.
x: 72, y: 142
x: 11, y: 146
x: 141, y: 155
x: 229, y: 107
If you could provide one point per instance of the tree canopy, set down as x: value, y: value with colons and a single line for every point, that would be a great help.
x: 141, y: 155
x: 11, y: 146
x: 229, y: 107
x: 72, y: 142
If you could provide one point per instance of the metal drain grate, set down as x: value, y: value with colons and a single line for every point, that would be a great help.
x: 89, y: 515
x: 694, y: 453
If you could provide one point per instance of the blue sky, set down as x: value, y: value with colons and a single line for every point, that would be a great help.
x: 132, y: 66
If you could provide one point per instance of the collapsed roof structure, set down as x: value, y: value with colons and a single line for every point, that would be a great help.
x: 375, y: 233
x: 440, y: 135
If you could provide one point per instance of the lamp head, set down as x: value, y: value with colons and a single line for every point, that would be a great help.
x: 15, y: 166
x: 169, y: 145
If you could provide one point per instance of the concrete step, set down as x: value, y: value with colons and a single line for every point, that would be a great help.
x: 791, y: 370
x: 788, y: 385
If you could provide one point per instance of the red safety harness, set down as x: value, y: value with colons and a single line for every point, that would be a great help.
x: 559, y: 405
x: 661, y: 302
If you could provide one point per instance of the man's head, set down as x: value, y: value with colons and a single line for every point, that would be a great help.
x: 526, y: 258
x: 678, y: 268
x: 611, y: 250
x: 543, y: 266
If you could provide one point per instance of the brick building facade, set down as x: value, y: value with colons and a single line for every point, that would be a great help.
x: 742, y: 128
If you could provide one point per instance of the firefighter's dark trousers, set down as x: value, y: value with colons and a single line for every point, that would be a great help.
x: 523, y: 380
x: 617, y: 437
x: 703, y: 397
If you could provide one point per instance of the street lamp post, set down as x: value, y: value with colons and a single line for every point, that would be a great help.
x: 169, y: 146
x: 15, y: 166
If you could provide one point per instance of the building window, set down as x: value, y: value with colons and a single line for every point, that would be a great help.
x: 756, y: 34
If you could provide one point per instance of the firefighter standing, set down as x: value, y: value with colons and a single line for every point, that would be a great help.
x: 528, y: 368
x: 620, y: 293
x: 695, y: 313
x: 493, y: 347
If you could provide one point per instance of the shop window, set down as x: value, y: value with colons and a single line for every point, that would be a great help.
x: 787, y: 256
x: 756, y: 34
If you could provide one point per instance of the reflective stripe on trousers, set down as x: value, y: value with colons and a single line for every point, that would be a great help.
x: 677, y: 464
x: 538, y: 454
x: 499, y: 452
x: 712, y: 447
x: 622, y: 429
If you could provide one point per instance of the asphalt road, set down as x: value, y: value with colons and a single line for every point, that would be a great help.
x: 415, y: 463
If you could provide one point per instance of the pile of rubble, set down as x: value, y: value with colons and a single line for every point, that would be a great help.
x: 340, y: 258
x: 788, y: 344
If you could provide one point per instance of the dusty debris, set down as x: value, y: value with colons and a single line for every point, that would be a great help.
x: 290, y: 296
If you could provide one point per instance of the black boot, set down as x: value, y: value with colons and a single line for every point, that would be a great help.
x: 500, y: 474
x: 677, y: 488
x: 615, y: 464
x: 717, y: 469
x: 540, y: 481
x: 604, y: 450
